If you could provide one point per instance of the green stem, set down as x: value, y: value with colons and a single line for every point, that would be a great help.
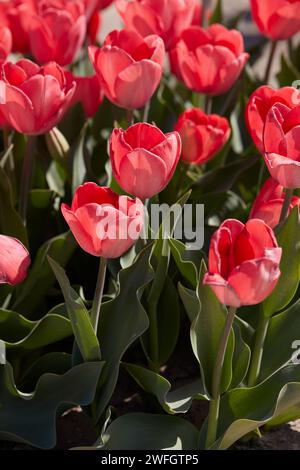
x: 146, y: 112
x: 270, y: 62
x: 213, y: 415
x: 130, y: 118
x: 208, y: 104
x: 26, y: 178
x: 256, y: 357
x: 286, y: 205
x: 95, y: 312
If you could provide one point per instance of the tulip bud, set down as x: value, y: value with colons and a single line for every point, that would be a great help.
x: 57, y: 144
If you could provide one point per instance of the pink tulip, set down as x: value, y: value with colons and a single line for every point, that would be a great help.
x: 243, y: 262
x: 129, y: 67
x: 5, y: 43
x: 14, y: 261
x: 33, y: 99
x: 144, y: 159
x: 277, y: 19
x: 17, y: 16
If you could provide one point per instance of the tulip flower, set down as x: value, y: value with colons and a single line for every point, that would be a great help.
x: 57, y: 31
x: 104, y: 4
x: 202, y: 135
x: 14, y: 261
x: 129, y: 67
x: 103, y: 223
x: 269, y: 202
x: 5, y: 43
x: 281, y: 138
x: 33, y: 99
x: 208, y: 60
x: 166, y: 18
x: 259, y: 105
x: 143, y: 158
x: 277, y: 19
x: 94, y: 27
x: 17, y: 16
x: 243, y: 262
x: 87, y: 92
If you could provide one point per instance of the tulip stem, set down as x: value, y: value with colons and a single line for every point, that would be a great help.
x: 205, y: 6
x: 95, y: 312
x: 146, y: 111
x: 270, y: 62
x: 286, y: 205
x: 208, y: 104
x: 258, y: 348
x: 214, y: 405
x: 26, y: 178
x: 130, y: 118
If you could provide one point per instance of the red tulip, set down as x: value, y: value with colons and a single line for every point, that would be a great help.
x: 277, y: 19
x: 259, y: 105
x: 166, y: 18
x: 144, y: 159
x: 281, y: 140
x: 268, y: 204
x: 57, y: 31
x: 17, y: 15
x: 208, y: 60
x: 103, y: 223
x: 202, y: 135
x: 14, y: 261
x: 5, y: 43
x: 243, y: 262
x: 90, y: 7
x: 87, y: 92
x: 33, y: 99
x: 129, y: 67
x: 94, y: 27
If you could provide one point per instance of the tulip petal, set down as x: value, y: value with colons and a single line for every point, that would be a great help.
x: 169, y: 151
x: 83, y: 238
x: 16, y: 108
x: 284, y: 170
x: 89, y: 193
x: 14, y: 261
x: 225, y: 292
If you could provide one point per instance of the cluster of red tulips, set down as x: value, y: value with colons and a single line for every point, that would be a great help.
x: 41, y: 41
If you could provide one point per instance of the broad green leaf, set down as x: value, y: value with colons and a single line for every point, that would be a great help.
x: 241, y: 358
x: 289, y: 239
x: 283, y: 330
x: 10, y: 222
x: 30, y: 417
x: 142, y: 431
x: 242, y: 410
x: 85, y: 336
x: 41, y: 198
x: 187, y: 261
x: 178, y: 401
x: 190, y: 301
x: 122, y: 321
x: 206, y: 332
x: 19, y: 334
x: 52, y: 362
x: 41, y: 277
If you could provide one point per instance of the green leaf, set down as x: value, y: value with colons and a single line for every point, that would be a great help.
x: 190, y: 301
x: 283, y: 330
x: 206, y: 332
x: 122, y: 321
x: 289, y: 239
x: 39, y: 408
x: 217, y: 16
x: 241, y: 358
x: 78, y: 159
x: 41, y: 198
x: 187, y: 261
x: 142, y: 431
x: 288, y: 73
x: 10, y: 222
x: 85, y: 336
x: 178, y: 401
x: 19, y: 334
x: 243, y: 410
x: 41, y: 277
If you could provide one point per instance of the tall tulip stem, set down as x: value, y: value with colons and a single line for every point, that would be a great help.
x: 286, y: 205
x: 256, y: 357
x: 26, y: 178
x: 130, y: 118
x: 270, y: 62
x: 95, y: 312
x: 214, y: 405
x: 208, y: 104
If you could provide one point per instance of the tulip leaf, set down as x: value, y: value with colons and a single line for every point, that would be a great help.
x: 190, y: 301
x: 241, y: 358
x: 142, y: 431
x: 289, y: 239
x: 85, y: 336
x: 242, y: 410
x: 281, y: 341
x: 77, y: 156
x: 20, y: 334
x: 30, y: 417
x: 206, y: 332
x: 122, y: 321
x: 41, y: 277
x: 178, y: 401
x: 10, y: 222
x: 217, y: 16
x: 187, y: 261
